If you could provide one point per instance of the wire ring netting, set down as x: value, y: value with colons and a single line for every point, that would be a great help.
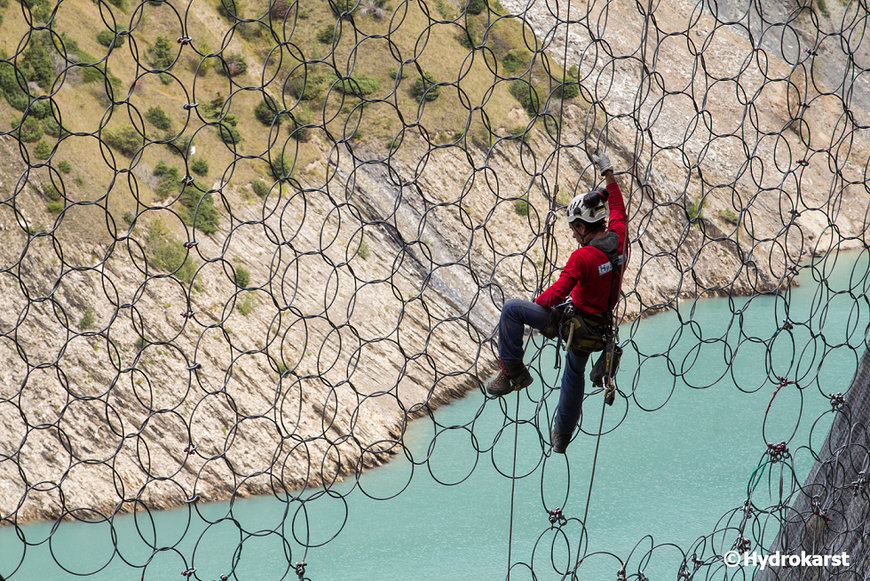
x: 245, y: 244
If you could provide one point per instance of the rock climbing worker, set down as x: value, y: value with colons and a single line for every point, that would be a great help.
x: 592, y: 277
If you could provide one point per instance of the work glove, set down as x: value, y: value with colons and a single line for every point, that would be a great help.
x: 600, y: 159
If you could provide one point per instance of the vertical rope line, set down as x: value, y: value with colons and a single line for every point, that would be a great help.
x: 591, y: 482
x: 548, y: 241
x: 644, y: 74
x: 513, y: 486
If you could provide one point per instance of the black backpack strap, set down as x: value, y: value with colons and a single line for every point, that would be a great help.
x: 609, y: 245
x: 608, y: 363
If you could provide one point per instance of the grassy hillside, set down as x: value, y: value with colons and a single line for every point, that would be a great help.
x: 163, y: 105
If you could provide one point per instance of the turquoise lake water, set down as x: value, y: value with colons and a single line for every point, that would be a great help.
x: 664, y: 477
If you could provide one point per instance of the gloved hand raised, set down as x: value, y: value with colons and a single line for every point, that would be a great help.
x: 600, y: 159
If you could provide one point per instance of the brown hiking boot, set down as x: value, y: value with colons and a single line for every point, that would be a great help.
x: 559, y: 441
x: 512, y: 377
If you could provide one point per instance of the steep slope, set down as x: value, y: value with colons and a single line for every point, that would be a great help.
x: 337, y: 271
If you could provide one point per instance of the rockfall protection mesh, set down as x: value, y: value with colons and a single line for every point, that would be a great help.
x: 245, y: 244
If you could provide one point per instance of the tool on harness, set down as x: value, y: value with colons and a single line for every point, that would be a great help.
x: 608, y: 360
x: 605, y: 369
x: 583, y: 332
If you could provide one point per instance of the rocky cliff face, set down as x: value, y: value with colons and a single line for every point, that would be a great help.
x: 828, y: 514
x: 375, y: 284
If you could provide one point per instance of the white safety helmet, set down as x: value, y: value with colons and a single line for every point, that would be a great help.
x: 589, y: 208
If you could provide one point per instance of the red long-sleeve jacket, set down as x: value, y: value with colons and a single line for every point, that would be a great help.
x: 588, y: 275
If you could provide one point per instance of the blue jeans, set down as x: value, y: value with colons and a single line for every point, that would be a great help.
x: 514, y: 316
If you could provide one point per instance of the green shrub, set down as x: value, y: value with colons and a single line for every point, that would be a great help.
x: 107, y: 37
x: 358, y: 86
x: 52, y: 127
x: 307, y: 87
x: 129, y: 217
x: 55, y: 206
x: 64, y: 166
x: 526, y: 95
x: 158, y: 118
x: 30, y: 129
x: 229, y: 9
x: 512, y: 61
x: 170, y: 255
x: 260, y: 188
x: 11, y: 81
x: 728, y: 215
x: 163, y: 169
x: 264, y: 113
x: 569, y: 90
x: 179, y: 145
x: 199, y: 166
x: 162, y: 54
x: 420, y: 86
x: 87, y: 320
x: 42, y: 150
x: 521, y: 207
x: 267, y: 110
x: 229, y: 134
x: 279, y: 9
x: 243, y: 277
x: 170, y: 178
x: 326, y: 34
x: 202, y: 207
x: 249, y: 30
x: 234, y: 65
x: 394, y: 72
x: 36, y: 63
x: 299, y: 130
x: 203, y: 65
x: 126, y: 140
x: 40, y: 108
x: 342, y: 7
x: 51, y: 193
x: 475, y: 6
x: 40, y: 9
x: 281, y: 168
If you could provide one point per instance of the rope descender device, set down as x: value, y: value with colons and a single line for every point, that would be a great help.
x: 609, y: 389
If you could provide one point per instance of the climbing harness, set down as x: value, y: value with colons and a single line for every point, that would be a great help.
x: 591, y: 332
